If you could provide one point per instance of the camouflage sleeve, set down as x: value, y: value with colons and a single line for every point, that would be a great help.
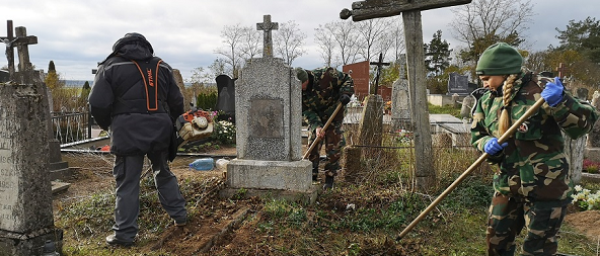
x: 480, y: 135
x: 576, y: 118
x: 312, y: 117
x: 346, y: 83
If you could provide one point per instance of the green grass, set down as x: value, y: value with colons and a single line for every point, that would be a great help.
x: 448, y: 109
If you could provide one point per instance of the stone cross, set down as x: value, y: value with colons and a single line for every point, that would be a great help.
x: 23, y: 40
x: 20, y: 41
x: 267, y: 26
x: 413, y: 34
x: 379, y: 64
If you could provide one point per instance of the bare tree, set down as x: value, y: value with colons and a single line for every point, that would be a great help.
x: 251, y: 43
x: 326, y: 42
x: 371, y: 32
x: 396, y: 31
x: 345, y: 35
x: 289, y: 40
x: 483, y: 22
x: 232, y: 38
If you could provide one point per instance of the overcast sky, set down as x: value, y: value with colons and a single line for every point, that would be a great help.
x: 76, y: 34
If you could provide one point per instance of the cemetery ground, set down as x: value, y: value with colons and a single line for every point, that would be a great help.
x: 361, y: 218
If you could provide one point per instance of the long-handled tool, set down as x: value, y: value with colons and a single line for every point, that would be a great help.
x: 316, y: 141
x: 471, y: 168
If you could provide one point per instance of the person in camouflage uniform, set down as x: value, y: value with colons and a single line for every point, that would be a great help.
x: 322, y: 89
x: 532, y: 186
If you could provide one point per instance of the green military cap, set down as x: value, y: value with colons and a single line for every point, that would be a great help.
x: 301, y: 74
x: 499, y: 59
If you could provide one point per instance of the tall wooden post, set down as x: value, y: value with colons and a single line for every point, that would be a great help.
x: 413, y: 34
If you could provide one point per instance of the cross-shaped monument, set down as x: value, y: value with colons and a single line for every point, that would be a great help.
x: 267, y: 26
x: 413, y: 34
x: 379, y: 64
x: 562, y: 70
x: 20, y: 41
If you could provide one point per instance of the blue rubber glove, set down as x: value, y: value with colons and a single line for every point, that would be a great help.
x: 492, y: 147
x: 553, y: 94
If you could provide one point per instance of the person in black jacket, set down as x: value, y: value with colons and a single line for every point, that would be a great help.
x: 136, y: 99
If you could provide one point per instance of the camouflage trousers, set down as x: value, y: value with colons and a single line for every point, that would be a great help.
x: 507, y: 217
x: 334, y: 142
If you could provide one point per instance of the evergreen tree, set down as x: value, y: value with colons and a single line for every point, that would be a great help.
x: 437, y: 54
x: 583, y: 37
x: 52, y: 79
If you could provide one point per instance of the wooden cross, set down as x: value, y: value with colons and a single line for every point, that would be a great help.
x: 413, y: 34
x: 379, y: 64
x: 267, y: 26
x: 561, y: 70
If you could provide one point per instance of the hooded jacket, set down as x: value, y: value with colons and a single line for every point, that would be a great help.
x: 139, y: 122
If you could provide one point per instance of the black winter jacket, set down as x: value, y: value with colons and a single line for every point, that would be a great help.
x: 118, y: 101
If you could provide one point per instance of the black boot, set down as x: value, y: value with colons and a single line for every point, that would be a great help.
x: 328, y: 182
x: 315, y: 171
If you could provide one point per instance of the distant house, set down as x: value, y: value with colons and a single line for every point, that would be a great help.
x: 4, y: 76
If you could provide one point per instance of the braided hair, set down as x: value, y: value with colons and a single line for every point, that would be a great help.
x: 507, y: 90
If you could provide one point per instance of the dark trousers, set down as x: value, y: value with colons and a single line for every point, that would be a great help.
x: 127, y: 172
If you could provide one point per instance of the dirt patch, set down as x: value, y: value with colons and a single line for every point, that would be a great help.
x: 586, y: 222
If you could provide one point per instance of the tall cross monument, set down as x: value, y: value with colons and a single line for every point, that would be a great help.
x: 267, y: 26
x: 379, y: 64
x: 413, y: 34
x: 20, y: 41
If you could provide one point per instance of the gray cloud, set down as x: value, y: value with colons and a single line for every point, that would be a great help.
x: 78, y: 34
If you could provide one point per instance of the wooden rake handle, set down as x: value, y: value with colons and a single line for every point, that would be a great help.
x: 316, y: 141
x: 471, y: 168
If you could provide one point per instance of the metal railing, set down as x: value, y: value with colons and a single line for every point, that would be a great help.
x: 71, y: 126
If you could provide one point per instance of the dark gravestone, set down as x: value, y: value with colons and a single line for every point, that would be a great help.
x: 226, y: 98
x: 460, y: 85
x: 4, y: 76
x: 582, y: 93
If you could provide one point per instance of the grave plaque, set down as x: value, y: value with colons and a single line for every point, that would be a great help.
x: 269, y: 118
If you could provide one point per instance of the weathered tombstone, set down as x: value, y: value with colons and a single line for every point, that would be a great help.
x: 371, y: 125
x: 400, y: 101
x: 575, y: 149
x: 4, y: 76
x: 226, y: 95
x: 582, y: 93
x: 268, y: 134
x: 26, y: 217
x: 593, y: 142
x: 467, y: 105
x: 413, y: 34
x: 188, y: 100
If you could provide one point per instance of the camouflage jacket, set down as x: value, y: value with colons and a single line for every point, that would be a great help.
x: 322, y: 94
x: 534, y: 163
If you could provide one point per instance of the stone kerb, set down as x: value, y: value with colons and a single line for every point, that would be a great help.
x: 25, y: 191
